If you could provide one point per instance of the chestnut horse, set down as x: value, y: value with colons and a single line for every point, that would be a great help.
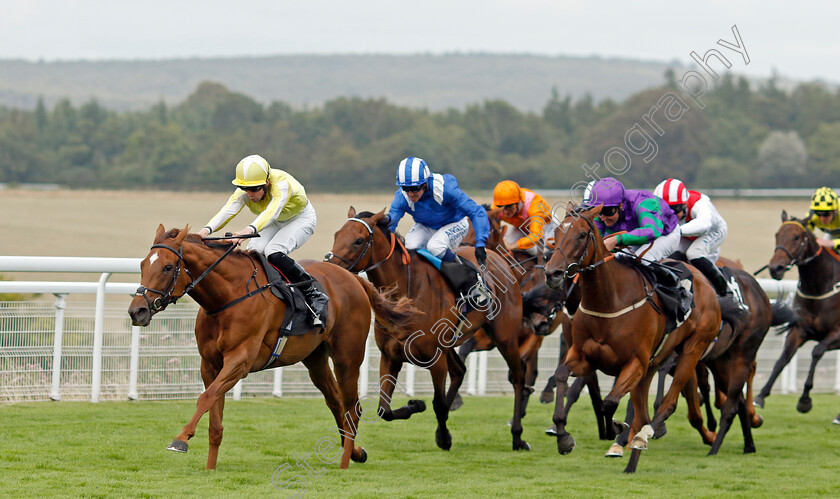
x: 817, y: 301
x: 364, y: 243
x: 238, y: 327
x: 617, y: 330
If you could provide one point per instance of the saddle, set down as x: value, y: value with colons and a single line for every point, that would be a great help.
x: 674, y: 284
x: 463, y: 278
x: 296, y: 318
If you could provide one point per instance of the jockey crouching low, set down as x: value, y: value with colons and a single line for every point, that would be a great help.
x: 285, y: 220
x: 529, y: 215
x: 652, y: 230
x: 441, y: 212
x: 703, y: 232
x: 825, y: 215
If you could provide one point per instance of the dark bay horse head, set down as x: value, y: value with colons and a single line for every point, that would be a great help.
x: 794, y: 244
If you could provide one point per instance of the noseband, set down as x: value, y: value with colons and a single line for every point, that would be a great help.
x: 368, y: 247
x: 573, y: 269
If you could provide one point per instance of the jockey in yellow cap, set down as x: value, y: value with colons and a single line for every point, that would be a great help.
x: 824, y: 216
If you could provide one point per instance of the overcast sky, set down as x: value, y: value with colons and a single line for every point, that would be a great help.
x: 798, y: 39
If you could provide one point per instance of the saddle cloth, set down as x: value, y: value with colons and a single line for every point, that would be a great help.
x: 677, y: 302
x: 461, y: 275
x: 296, y: 320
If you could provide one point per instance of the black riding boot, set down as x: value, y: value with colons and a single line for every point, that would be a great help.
x: 665, y: 276
x: 296, y: 274
x: 723, y: 287
x: 712, y: 273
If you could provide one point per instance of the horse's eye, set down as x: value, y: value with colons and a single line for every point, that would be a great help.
x: 582, y: 235
x: 358, y: 242
x: 168, y: 267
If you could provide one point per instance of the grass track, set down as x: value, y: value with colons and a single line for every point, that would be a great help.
x: 117, y: 449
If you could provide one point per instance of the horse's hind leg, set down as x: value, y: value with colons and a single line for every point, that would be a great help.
x: 831, y: 342
x: 706, y: 392
x: 510, y: 352
x: 346, y: 418
x: 755, y: 418
x: 735, y: 404
x: 464, y: 351
x: 793, y: 341
x: 565, y: 441
x: 347, y: 374
x: 695, y: 415
x: 443, y: 438
x: 389, y: 368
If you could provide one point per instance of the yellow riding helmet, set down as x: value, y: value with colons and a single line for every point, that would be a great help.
x: 505, y: 193
x: 252, y: 171
x: 824, y: 199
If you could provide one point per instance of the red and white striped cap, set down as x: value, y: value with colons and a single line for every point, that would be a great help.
x: 673, y: 191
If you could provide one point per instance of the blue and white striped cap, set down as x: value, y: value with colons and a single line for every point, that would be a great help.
x: 412, y: 171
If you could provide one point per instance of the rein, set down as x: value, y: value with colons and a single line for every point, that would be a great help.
x: 166, y: 298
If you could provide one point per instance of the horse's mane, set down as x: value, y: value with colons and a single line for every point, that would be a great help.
x: 218, y: 247
x: 382, y: 224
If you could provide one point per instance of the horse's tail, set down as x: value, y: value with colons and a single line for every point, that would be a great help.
x: 396, y: 317
x: 783, y: 314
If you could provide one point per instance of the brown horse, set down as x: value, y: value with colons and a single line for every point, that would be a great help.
x: 528, y: 271
x: 238, y: 327
x: 617, y: 330
x: 817, y: 301
x: 364, y: 243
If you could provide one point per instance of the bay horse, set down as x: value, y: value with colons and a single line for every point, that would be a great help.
x: 528, y: 271
x: 364, y: 243
x: 617, y: 330
x: 817, y: 301
x: 238, y: 326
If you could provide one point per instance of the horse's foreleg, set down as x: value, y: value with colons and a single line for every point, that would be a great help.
x: 389, y: 369
x: 702, y: 373
x: 457, y: 369
x: 510, y: 352
x: 628, y: 378
x: 529, y: 351
x: 755, y: 418
x: 347, y: 375
x: 235, y: 368
x: 795, y: 338
x: 215, y: 430
x: 684, y: 372
x: 831, y: 342
x: 442, y: 436
x: 565, y: 441
x: 640, y: 431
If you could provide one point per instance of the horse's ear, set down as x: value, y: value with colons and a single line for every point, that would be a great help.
x: 182, y: 234
x: 376, y: 218
x: 784, y: 216
x: 160, y: 235
x: 351, y: 212
x: 494, y: 212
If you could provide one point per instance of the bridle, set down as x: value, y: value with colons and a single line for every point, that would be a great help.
x: 166, y: 296
x: 800, y: 250
x: 368, y: 247
x: 573, y: 269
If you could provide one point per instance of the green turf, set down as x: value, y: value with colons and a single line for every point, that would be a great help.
x: 118, y: 449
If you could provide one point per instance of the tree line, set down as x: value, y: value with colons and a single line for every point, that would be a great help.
x: 737, y: 135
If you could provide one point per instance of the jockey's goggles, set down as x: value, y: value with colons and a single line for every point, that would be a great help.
x: 413, y: 188
x: 678, y: 208
x: 609, y: 211
x: 826, y: 213
x: 255, y: 188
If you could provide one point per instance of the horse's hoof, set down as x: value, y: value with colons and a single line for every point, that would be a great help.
x: 758, y: 420
x: 804, y: 405
x: 362, y: 457
x: 546, y: 397
x: 640, y: 441
x: 836, y: 420
x: 758, y: 401
x: 457, y: 402
x: 178, y: 446
x: 615, y: 451
x: 565, y: 444
x: 443, y: 439
x: 619, y: 427
x: 416, y: 406
x: 510, y: 422
x: 660, y: 431
x: 749, y: 450
x: 521, y: 445
x: 552, y: 430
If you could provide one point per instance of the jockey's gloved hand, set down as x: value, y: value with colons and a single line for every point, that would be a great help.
x: 480, y: 256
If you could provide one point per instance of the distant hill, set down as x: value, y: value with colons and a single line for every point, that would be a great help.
x: 434, y: 82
